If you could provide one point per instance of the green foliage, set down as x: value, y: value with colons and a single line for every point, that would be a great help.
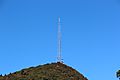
x: 53, y: 71
x: 118, y: 73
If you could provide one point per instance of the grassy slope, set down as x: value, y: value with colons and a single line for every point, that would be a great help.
x: 53, y: 71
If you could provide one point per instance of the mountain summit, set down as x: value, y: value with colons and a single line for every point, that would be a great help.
x: 53, y: 71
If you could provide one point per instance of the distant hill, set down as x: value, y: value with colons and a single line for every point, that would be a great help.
x: 53, y: 71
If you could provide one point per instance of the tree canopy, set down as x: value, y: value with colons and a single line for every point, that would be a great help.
x: 118, y: 74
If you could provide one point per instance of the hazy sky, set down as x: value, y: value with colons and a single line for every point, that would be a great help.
x: 90, y: 35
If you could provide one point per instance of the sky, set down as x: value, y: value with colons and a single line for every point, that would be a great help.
x: 90, y: 35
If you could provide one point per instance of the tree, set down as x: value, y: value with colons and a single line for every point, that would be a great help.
x: 1, y: 75
x: 118, y: 74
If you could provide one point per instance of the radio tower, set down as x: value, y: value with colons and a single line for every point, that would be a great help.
x: 59, y: 58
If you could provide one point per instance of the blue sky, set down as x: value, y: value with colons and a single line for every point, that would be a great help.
x: 90, y: 35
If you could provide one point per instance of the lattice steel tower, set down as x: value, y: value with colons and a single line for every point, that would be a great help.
x: 59, y: 57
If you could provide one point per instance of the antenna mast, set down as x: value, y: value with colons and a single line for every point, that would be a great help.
x: 59, y: 42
